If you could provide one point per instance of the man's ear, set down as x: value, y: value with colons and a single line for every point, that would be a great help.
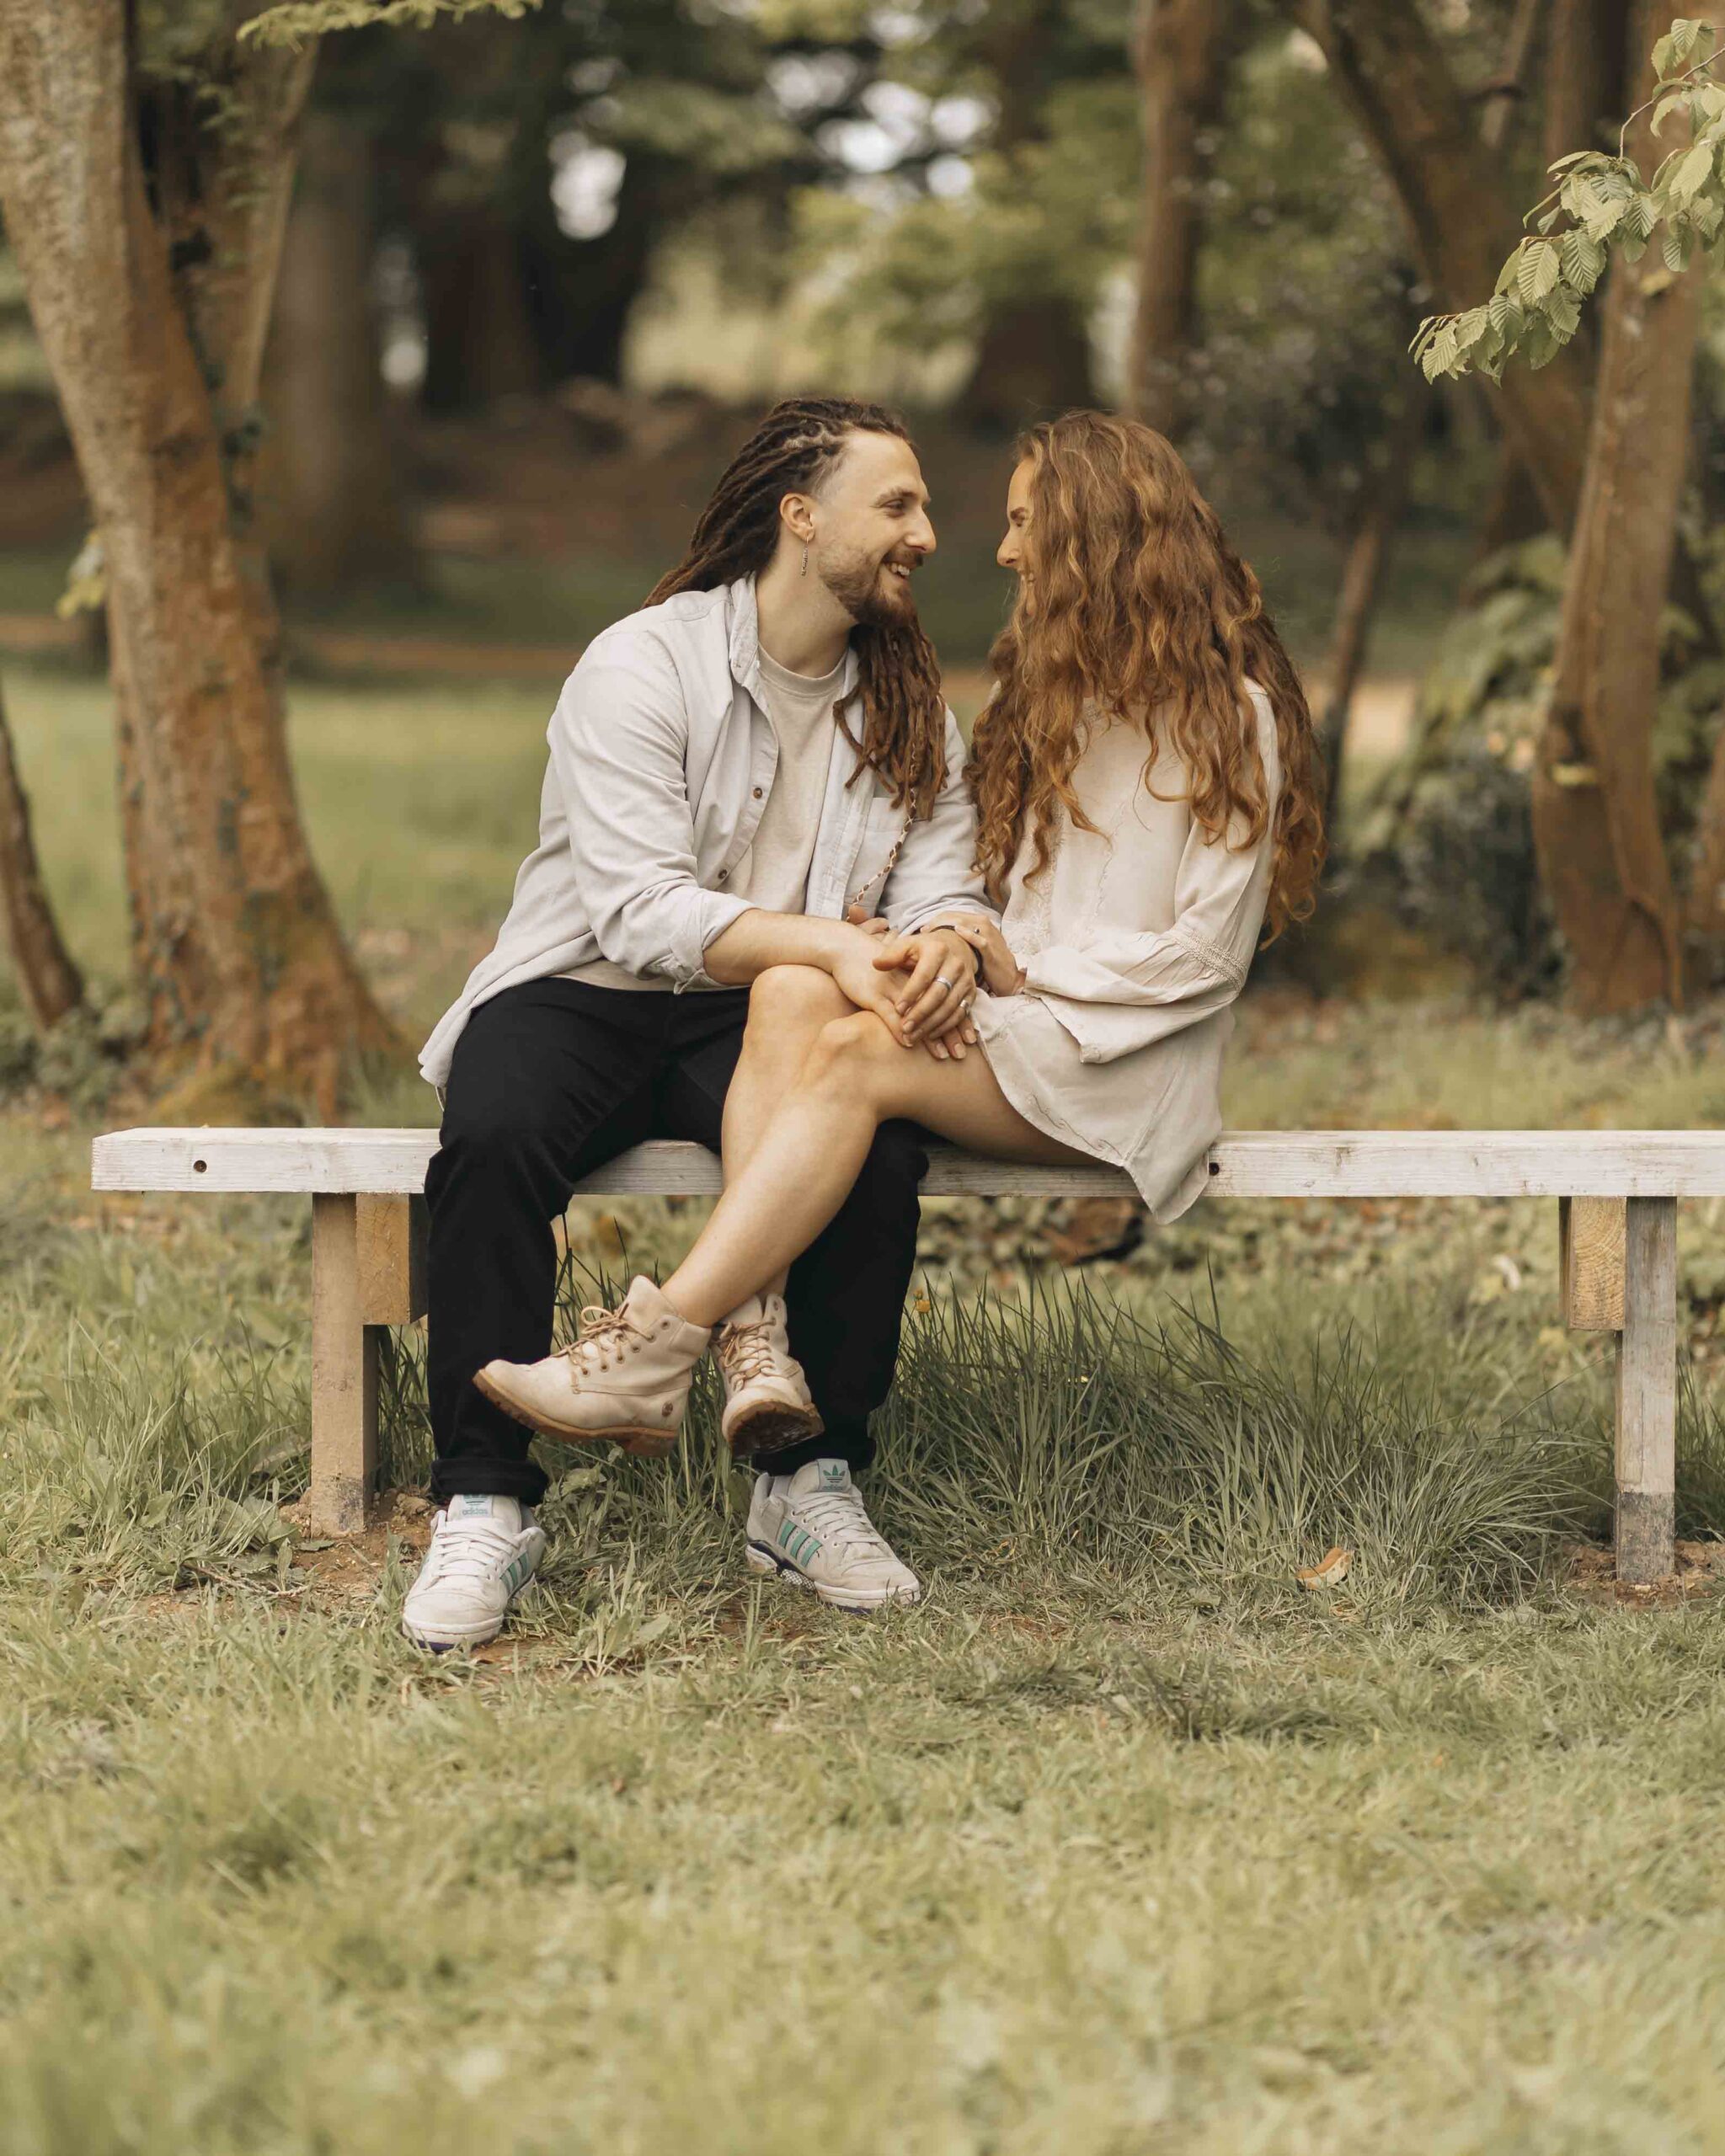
x: 796, y: 512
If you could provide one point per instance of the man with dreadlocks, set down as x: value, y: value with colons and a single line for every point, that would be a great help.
x: 755, y: 772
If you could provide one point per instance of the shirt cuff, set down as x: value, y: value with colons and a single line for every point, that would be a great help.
x: 713, y: 913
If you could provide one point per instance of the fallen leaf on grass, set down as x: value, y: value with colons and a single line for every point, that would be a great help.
x: 1330, y: 1569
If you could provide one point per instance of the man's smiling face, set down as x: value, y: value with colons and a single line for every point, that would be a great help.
x: 872, y: 529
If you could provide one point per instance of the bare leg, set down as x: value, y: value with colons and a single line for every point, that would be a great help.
x: 787, y: 1007
x: 855, y: 1078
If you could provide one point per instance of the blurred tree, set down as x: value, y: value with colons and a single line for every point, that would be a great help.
x: 991, y: 192
x: 1454, y: 191
x: 1596, y: 815
x: 1180, y: 50
x: 145, y: 166
x: 330, y: 475
x: 48, y: 980
x: 535, y: 175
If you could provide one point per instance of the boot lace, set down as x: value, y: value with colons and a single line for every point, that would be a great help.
x: 603, y: 1333
x: 747, y: 1352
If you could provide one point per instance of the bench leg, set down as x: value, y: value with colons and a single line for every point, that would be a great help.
x: 343, y: 1374
x: 1646, y: 1395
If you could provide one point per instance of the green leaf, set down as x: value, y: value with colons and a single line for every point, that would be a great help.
x: 1562, y: 310
x: 1540, y: 343
x: 1470, y: 327
x: 1538, y: 271
x: 1440, y: 353
x: 1666, y: 63
x: 1581, y: 258
x: 1692, y: 174
x: 1673, y: 101
x: 1675, y: 241
x: 1641, y: 216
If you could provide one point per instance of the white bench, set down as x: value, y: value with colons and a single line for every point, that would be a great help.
x: 1618, y: 1194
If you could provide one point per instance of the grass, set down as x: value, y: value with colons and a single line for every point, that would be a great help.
x: 1122, y: 1842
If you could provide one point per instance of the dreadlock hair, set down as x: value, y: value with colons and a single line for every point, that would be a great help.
x: 792, y: 449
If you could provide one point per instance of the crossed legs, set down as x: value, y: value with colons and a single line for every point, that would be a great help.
x: 803, y: 1131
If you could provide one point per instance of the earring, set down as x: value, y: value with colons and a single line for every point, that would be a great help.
x: 803, y: 571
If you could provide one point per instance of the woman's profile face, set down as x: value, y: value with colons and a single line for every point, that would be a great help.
x: 1009, y: 554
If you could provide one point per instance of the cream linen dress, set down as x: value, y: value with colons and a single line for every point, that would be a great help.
x: 1135, y: 940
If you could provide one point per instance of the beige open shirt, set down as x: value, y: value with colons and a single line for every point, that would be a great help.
x: 662, y: 757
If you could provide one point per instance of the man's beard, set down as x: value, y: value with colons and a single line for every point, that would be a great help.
x: 867, y: 594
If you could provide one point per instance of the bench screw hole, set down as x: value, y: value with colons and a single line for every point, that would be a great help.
x: 200, y: 1167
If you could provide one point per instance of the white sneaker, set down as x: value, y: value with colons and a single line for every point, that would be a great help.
x: 811, y: 1527
x: 484, y: 1551
x: 767, y: 1402
x: 624, y: 1381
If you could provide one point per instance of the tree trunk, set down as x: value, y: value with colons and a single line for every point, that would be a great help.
x: 479, y: 344
x: 330, y: 486
x: 1455, y: 193
x: 1362, y: 578
x: 156, y: 355
x: 48, y: 981
x: 1596, y: 824
x: 1506, y: 93
x: 1034, y: 361
x: 1033, y: 358
x: 1177, y: 50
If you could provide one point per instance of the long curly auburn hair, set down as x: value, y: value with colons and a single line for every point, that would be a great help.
x: 1132, y: 603
x: 793, y: 449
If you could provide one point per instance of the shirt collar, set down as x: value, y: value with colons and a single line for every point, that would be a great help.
x: 743, y: 615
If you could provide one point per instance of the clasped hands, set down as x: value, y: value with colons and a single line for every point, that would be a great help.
x: 923, y: 985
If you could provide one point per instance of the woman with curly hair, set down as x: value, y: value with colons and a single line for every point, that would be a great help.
x: 1147, y: 800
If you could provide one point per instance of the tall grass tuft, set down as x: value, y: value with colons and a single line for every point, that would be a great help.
x: 1065, y: 1430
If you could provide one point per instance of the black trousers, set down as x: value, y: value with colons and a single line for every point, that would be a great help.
x: 551, y: 1080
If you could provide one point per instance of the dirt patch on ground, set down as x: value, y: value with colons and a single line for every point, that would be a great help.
x: 1701, y: 1570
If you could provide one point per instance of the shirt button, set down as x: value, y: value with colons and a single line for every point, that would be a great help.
x: 724, y: 874
x: 757, y: 793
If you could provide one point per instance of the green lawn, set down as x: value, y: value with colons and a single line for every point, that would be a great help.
x: 1122, y: 1843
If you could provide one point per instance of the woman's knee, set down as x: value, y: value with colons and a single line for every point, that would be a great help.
x: 850, y: 1053
x: 794, y: 996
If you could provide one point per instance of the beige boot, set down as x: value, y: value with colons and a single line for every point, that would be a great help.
x: 623, y: 1381
x: 767, y: 1402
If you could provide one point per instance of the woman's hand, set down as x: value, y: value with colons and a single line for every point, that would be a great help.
x: 947, y: 1033
x: 1001, y: 973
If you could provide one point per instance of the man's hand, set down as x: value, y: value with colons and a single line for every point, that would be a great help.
x: 942, y: 981
x: 868, y: 968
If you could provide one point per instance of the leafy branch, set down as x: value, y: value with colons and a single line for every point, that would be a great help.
x: 296, y: 22
x: 1600, y: 205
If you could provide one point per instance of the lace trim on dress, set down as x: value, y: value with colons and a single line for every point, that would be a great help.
x: 1036, y: 898
x: 1215, y: 957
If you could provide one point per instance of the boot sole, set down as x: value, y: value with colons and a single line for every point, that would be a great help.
x: 643, y: 1443
x: 771, y: 1429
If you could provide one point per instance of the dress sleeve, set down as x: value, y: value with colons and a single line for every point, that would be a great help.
x: 1117, y: 991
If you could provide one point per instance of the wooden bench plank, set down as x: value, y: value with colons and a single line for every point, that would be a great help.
x: 1244, y: 1164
